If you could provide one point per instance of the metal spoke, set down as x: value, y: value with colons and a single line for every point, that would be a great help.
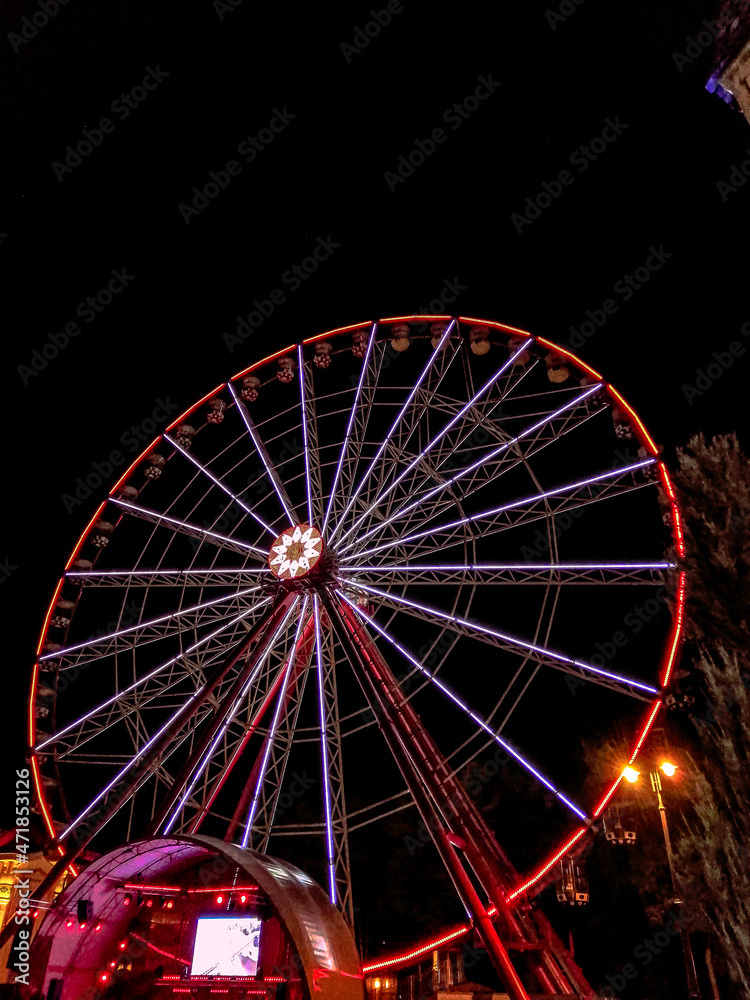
x: 264, y: 457
x: 526, y: 504
x: 162, y: 620
x: 272, y: 732
x: 425, y: 371
x: 230, y: 716
x: 191, y: 530
x: 143, y: 680
x: 222, y: 486
x: 434, y: 441
x: 515, y: 573
x: 350, y: 425
x: 586, y: 671
x: 218, y: 577
x: 465, y: 708
x: 481, y: 462
x: 305, y: 433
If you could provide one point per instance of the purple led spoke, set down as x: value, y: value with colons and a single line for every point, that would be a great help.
x: 465, y: 708
x: 330, y: 852
x: 107, y: 574
x: 271, y: 737
x: 225, y: 725
x: 134, y: 760
x: 260, y: 448
x: 148, y: 677
x: 384, y: 443
x: 352, y: 416
x: 191, y: 527
x: 616, y: 473
x: 504, y: 567
x: 477, y: 395
x: 402, y: 511
x: 305, y: 440
x: 222, y: 486
x: 154, y: 621
x: 559, y: 657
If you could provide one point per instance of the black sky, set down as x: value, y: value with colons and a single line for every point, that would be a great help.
x: 550, y: 85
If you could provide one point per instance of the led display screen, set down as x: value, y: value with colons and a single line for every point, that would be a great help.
x: 226, y: 946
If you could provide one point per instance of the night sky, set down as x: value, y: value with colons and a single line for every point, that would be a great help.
x: 493, y: 160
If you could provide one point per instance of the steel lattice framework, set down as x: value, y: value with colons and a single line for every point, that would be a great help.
x: 477, y: 512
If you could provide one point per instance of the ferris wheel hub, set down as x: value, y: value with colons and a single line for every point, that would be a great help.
x: 296, y: 552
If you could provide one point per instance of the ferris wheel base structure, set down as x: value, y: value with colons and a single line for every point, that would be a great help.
x: 302, y: 529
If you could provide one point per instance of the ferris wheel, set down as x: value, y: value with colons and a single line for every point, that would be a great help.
x: 344, y: 577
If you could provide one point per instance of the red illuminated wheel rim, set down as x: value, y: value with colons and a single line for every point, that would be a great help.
x: 476, y: 503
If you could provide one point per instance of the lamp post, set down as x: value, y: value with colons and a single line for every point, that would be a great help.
x: 630, y: 774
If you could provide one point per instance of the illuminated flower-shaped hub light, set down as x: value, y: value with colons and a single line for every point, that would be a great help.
x: 295, y: 552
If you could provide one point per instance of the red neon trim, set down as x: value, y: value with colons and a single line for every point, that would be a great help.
x: 607, y: 796
x: 337, y: 331
x: 133, y: 464
x: 497, y: 326
x: 86, y: 530
x: 422, y: 318
x: 676, y: 631
x: 636, y: 750
x: 572, y: 357
x: 646, y: 730
x: 545, y: 868
x: 645, y: 436
x: 264, y: 361
x: 194, y: 407
x: 676, y: 515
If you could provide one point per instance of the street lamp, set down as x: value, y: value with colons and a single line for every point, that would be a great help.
x: 669, y: 769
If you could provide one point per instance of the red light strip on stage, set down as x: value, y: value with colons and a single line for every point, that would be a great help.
x: 160, y: 951
x: 233, y: 889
